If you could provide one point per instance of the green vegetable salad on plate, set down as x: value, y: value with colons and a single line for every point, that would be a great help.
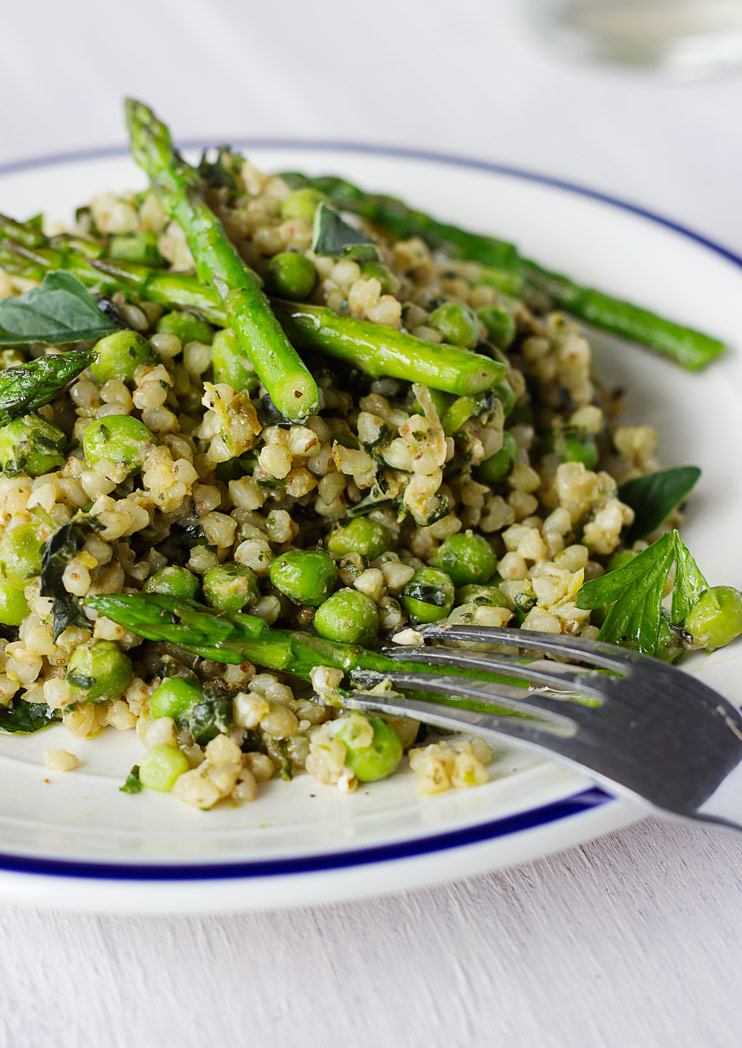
x: 254, y: 426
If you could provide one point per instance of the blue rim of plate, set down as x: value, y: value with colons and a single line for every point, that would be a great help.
x: 533, y: 819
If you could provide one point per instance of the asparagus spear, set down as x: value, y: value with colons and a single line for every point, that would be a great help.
x: 381, y: 351
x: 28, y: 387
x: 375, y: 349
x: 281, y: 370
x: 234, y: 639
x: 399, y: 221
x: 240, y: 637
x: 692, y: 349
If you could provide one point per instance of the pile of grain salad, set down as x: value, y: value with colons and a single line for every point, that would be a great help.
x: 207, y: 494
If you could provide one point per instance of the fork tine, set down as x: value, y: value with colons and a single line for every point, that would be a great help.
x: 511, y: 665
x: 559, y: 715
x: 606, y: 656
x: 529, y: 731
x: 455, y: 719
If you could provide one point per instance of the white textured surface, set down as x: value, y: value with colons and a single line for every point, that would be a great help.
x: 629, y: 941
x: 634, y: 940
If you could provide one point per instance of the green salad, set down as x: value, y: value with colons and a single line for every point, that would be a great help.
x: 254, y: 426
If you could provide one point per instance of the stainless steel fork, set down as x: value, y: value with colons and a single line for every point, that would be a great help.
x: 636, y: 725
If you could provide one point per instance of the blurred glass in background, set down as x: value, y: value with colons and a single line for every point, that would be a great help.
x: 686, y: 37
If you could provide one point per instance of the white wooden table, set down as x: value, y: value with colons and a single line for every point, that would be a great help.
x: 632, y: 941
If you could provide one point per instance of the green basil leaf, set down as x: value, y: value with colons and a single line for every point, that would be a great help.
x: 655, y: 496
x: 29, y: 386
x: 61, y: 310
x: 335, y: 237
x: 22, y: 716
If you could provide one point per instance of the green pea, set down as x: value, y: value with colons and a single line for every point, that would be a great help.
x: 187, y: 327
x: 572, y: 445
x: 390, y: 284
x: 500, y: 325
x: 506, y: 395
x: 428, y: 596
x: 580, y: 449
x: 374, y: 760
x: 348, y: 616
x: 304, y: 576
x: 458, y: 324
x: 618, y: 560
x: 361, y: 535
x: 13, y: 604
x: 119, y: 355
x: 139, y: 246
x: 291, y: 275
x: 20, y: 553
x: 120, y: 439
x: 31, y: 445
x: 230, y: 587
x: 302, y: 203
x: 173, y: 582
x: 489, y: 596
x: 716, y: 618
x: 161, y: 766
x: 230, y: 363
x: 99, y: 672
x: 498, y: 466
x: 466, y: 558
x: 457, y: 414
x: 174, y: 697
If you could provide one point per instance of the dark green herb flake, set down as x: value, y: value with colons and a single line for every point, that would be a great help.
x: 22, y: 716
x: 133, y: 783
x: 335, y: 237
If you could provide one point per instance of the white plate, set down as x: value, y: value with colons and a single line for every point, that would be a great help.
x: 75, y: 841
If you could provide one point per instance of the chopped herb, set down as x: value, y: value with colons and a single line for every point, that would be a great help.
x: 181, y: 540
x: 58, y: 551
x: 222, y: 172
x: 337, y: 238
x: 524, y: 602
x: 22, y: 716
x: 29, y: 386
x: 133, y: 783
x: 278, y: 751
x: 655, y: 496
x: 210, y: 716
x: 435, y: 595
x: 372, y: 501
x: 634, y: 594
x: 61, y: 310
x: 80, y: 680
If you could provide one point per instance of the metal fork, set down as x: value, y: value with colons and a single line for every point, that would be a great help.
x: 636, y: 725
